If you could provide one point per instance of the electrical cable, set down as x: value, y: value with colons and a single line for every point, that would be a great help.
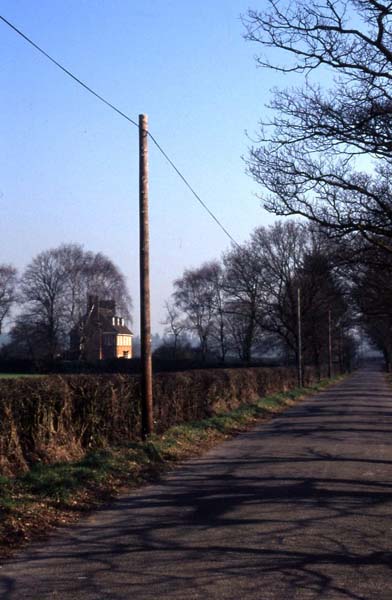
x: 122, y: 114
x: 86, y: 87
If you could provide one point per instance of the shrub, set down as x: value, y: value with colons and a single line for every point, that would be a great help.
x: 59, y: 417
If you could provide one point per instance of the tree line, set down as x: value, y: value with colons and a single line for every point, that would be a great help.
x: 246, y: 304
x: 50, y: 298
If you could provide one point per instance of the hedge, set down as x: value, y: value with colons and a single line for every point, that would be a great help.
x: 60, y: 417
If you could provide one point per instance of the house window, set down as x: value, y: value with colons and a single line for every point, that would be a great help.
x: 124, y: 340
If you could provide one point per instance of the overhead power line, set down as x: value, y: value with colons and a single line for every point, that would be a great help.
x: 67, y: 72
x: 122, y: 114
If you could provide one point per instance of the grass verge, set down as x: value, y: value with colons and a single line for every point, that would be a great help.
x: 57, y: 494
x: 18, y: 375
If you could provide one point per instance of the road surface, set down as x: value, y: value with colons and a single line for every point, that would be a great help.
x: 298, y: 509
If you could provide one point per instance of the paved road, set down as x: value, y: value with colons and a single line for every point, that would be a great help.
x: 298, y: 509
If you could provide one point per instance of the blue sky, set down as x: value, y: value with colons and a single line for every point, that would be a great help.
x: 69, y: 165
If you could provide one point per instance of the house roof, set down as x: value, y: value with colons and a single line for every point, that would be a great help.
x: 108, y: 327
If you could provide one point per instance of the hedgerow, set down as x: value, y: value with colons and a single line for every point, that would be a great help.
x: 61, y: 417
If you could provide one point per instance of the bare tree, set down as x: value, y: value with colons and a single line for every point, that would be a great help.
x: 7, y: 291
x: 244, y: 286
x: 29, y: 338
x: 103, y: 278
x: 42, y: 291
x: 216, y: 281
x: 372, y: 293
x: 175, y: 325
x: 292, y: 255
x: 91, y: 274
x: 54, y: 290
x: 307, y: 155
x: 280, y: 249
x: 324, y: 307
x: 194, y: 296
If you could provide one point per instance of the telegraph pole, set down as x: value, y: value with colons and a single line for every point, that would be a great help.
x: 300, y: 378
x: 145, y: 321
x: 329, y: 344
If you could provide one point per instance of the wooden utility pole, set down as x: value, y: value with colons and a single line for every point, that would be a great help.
x: 145, y: 321
x: 300, y: 378
x: 329, y: 344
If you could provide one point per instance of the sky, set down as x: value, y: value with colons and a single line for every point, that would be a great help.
x: 69, y: 165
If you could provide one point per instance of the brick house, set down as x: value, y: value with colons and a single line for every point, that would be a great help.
x: 101, y: 333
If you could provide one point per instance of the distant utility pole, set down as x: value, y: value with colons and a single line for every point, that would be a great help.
x: 145, y: 321
x: 299, y: 350
x: 329, y: 344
